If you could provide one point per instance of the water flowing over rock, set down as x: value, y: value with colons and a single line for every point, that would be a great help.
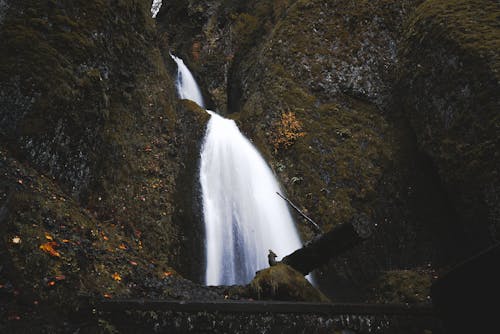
x: 244, y: 217
x: 186, y: 84
x: 320, y: 77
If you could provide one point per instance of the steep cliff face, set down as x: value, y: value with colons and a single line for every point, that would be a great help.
x: 200, y: 32
x: 318, y: 100
x: 449, y: 84
x: 92, y: 145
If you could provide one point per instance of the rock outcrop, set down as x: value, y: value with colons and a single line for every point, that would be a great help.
x: 282, y: 282
x: 326, y: 90
x: 93, y: 145
x: 448, y: 85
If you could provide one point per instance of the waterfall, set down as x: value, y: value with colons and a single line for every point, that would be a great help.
x: 244, y: 217
x: 187, y: 88
x: 155, y: 7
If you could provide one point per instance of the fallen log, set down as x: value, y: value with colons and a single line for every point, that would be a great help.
x: 326, y: 246
x: 315, y: 226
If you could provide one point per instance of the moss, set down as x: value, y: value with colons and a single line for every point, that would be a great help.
x: 39, y: 212
x: 472, y: 25
x: 105, y: 130
x: 346, y: 143
x: 281, y: 282
x: 346, y: 149
x: 246, y: 30
x: 403, y: 286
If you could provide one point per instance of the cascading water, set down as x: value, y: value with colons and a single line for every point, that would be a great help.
x: 186, y: 85
x: 244, y: 217
x: 155, y: 7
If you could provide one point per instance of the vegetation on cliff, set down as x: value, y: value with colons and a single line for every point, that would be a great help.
x: 93, y: 143
x: 383, y: 108
x: 322, y: 89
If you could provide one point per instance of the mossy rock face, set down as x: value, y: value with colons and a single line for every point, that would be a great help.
x: 214, y: 36
x: 403, y: 286
x: 312, y: 100
x: 53, y: 251
x: 449, y: 79
x: 316, y: 98
x: 282, y: 282
x: 78, y: 105
x: 188, y: 215
x: 311, y: 83
x: 331, y: 48
x: 93, y: 142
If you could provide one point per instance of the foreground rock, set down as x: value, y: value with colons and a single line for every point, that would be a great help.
x: 282, y: 282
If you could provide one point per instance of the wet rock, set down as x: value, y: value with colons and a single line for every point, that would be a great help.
x: 200, y: 33
x: 282, y: 282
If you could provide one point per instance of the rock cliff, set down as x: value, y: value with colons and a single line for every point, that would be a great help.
x: 93, y: 146
x: 448, y: 86
x: 387, y: 109
x: 342, y: 98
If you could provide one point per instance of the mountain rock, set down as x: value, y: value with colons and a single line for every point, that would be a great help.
x: 448, y: 85
x: 93, y: 143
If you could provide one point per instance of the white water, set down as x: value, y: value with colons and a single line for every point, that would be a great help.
x: 155, y: 7
x: 187, y: 88
x: 244, y: 217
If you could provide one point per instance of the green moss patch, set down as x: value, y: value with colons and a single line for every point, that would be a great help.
x: 403, y: 286
x: 281, y: 282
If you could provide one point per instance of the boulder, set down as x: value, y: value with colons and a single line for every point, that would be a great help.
x: 449, y: 79
x: 282, y: 282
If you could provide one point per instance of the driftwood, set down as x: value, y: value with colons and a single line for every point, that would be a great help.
x: 326, y: 246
